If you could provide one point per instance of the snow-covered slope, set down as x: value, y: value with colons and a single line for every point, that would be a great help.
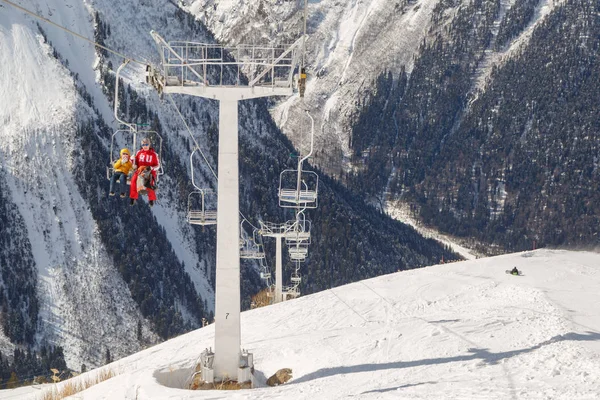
x: 39, y: 109
x: 85, y: 306
x: 456, y: 331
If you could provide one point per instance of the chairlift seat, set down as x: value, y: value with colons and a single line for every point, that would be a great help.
x: 292, y: 196
x: 298, y: 250
x: 200, y: 216
x: 196, y: 217
x: 298, y: 194
x: 297, y: 237
x: 252, y: 254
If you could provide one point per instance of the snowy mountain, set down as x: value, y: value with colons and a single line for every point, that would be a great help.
x: 76, y: 281
x: 350, y: 45
x: 95, y: 276
x: 457, y: 331
x: 480, y: 115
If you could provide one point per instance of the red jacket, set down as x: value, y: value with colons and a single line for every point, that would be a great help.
x: 147, y: 158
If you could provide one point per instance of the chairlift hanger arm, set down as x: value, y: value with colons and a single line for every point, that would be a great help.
x: 132, y: 127
x: 312, y: 138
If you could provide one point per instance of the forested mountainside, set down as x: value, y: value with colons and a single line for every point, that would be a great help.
x: 481, y: 114
x: 90, y: 275
x: 510, y: 158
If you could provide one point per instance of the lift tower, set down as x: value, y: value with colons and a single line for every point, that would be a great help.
x: 227, y: 74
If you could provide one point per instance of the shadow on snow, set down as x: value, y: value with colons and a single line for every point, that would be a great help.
x: 475, y: 354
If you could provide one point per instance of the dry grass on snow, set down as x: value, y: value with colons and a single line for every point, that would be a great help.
x: 76, y: 385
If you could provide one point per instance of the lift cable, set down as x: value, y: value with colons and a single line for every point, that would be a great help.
x: 304, y: 33
x: 202, y: 153
x: 126, y: 58
x: 192, y: 136
x: 73, y: 33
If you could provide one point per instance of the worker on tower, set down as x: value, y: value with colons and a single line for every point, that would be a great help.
x: 302, y: 82
x: 146, y: 163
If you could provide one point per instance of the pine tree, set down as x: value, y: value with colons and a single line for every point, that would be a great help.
x: 139, y: 331
x: 108, y: 358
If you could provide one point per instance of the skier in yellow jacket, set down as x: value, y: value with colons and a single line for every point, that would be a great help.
x: 121, y: 169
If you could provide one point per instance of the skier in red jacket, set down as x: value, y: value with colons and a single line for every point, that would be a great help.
x: 145, y: 164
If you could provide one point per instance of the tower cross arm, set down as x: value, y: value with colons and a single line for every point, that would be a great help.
x: 283, y: 55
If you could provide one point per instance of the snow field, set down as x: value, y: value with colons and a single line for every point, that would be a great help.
x: 456, y: 331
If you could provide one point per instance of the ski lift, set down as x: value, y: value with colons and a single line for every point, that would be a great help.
x: 298, y: 188
x: 200, y: 215
x: 291, y: 292
x: 298, y: 252
x: 296, y: 279
x: 199, y: 211
x: 265, y: 275
x: 299, y: 232
x: 129, y: 138
x: 250, y: 248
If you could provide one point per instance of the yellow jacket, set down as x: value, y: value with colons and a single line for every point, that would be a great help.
x: 121, y: 166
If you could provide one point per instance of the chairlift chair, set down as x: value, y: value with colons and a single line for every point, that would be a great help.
x: 291, y: 292
x: 292, y: 238
x: 298, y: 252
x: 202, y: 215
x: 251, y: 250
x: 265, y: 275
x: 298, y: 257
x: 249, y: 247
x: 298, y: 189
x: 300, y: 233
x: 132, y: 135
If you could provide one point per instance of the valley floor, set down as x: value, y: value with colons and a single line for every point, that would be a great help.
x: 401, y: 212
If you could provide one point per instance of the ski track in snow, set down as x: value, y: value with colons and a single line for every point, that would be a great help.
x: 456, y: 331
